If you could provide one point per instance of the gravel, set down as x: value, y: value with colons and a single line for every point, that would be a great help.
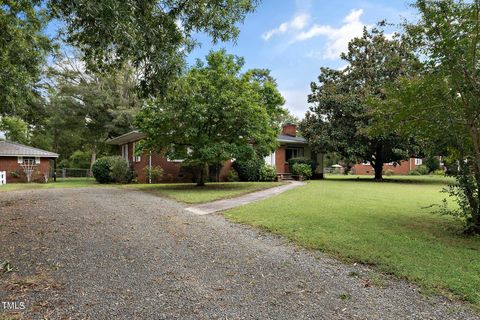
x: 108, y: 253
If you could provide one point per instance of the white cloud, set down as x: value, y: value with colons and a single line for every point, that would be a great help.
x: 296, y: 101
x: 338, y: 38
x: 298, y: 22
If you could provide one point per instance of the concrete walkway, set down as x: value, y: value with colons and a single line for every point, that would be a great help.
x: 225, y: 204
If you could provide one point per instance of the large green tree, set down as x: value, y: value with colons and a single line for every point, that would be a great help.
x: 23, y: 50
x: 341, y: 117
x: 214, y: 113
x: 441, y: 103
x: 152, y: 35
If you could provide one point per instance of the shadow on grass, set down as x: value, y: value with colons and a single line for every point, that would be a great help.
x: 220, y: 186
x: 428, y: 180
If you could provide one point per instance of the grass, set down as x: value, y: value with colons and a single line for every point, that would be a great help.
x: 383, y: 224
x: 183, y: 192
x: 189, y: 193
x: 61, y: 183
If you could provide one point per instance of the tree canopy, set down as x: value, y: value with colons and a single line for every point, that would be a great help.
x: 214, y: 113
x: 441, y: 103
x: 153, y: 35
x: 23, y: 50
x: 342, y: 115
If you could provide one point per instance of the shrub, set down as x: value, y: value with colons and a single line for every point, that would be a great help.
x: 120, y: 171
x: 422, y: 169
x: 248, y: 170
x: 232, y: 175
x: 111, y: 169
x: 439, y: 172
x: 419, y: 171
x: 155, y: 173
x: 15, y: 174
x: 302, y: 169
x: 310, y: 162
x: 268, y: 173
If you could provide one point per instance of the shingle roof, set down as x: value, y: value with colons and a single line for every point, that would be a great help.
x: 289, y: 139
x: 13, y: 149
x: 126, y: 138
x: 137, y: 135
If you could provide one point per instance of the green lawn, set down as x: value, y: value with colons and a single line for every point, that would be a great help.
x: 189, y: 193
x: 384, y: 224
x: 61, y: 183
x: 184, y: 192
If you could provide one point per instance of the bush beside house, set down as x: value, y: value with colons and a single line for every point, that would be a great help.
x: 113, y: 169
x: 302, y: 169
x: 254, y: 169
x: 311, y: 163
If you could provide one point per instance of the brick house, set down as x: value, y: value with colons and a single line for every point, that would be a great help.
x: 290, y: 145
x: 403, y: 168
x: 172, y: 168
x: 14, y: 157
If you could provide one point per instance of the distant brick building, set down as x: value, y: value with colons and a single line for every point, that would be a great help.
x: 290, y: 145
x: 13, y: 157
x: 403, y: 168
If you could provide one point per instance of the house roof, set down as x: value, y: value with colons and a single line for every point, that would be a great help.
x: 137, y: 135
x: 127, y: 137
x: 289, y: 139
x: 13, y: 149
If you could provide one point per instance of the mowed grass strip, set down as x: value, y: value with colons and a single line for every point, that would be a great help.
x: 385, y: 224
x: 190, y: 193
x: 183, y: 192
x: 61, y: 183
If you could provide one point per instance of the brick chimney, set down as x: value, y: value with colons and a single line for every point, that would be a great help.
x: 289, y: 129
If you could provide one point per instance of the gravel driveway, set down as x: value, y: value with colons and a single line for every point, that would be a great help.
x: 108, y: 253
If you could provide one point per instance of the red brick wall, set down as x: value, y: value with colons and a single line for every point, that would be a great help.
x: 403, y: 168
x: 282, y: 167
x: 289, y: 130
x: 10, y: 164
x: 172, y: 170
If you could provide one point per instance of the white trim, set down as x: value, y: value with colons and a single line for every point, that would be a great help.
x: 125, y: 152
x: 270, y: 159
x: 20, y: 160
x: 3, y: 177
x: 37, y: 160
x: 135, y: 158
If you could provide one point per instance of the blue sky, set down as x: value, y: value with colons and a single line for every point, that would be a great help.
x: 294, y: 38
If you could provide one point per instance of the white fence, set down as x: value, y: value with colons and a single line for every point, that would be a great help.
x: 3, y: 177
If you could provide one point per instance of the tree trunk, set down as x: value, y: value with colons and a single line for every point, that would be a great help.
x: 202, y: 175
x: 378, y: 164
x: 473, y: 227
x: 378, y: 167
x: 93, y: 159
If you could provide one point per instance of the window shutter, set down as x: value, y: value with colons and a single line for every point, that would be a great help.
x: 37, y: 160
x: 20, y: 160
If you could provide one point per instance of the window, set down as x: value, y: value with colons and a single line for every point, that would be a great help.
x: 28, y: 160
x: 418, y: 161
x: 136, y: 158
x: 293, y: 153
x: 125, y: 152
